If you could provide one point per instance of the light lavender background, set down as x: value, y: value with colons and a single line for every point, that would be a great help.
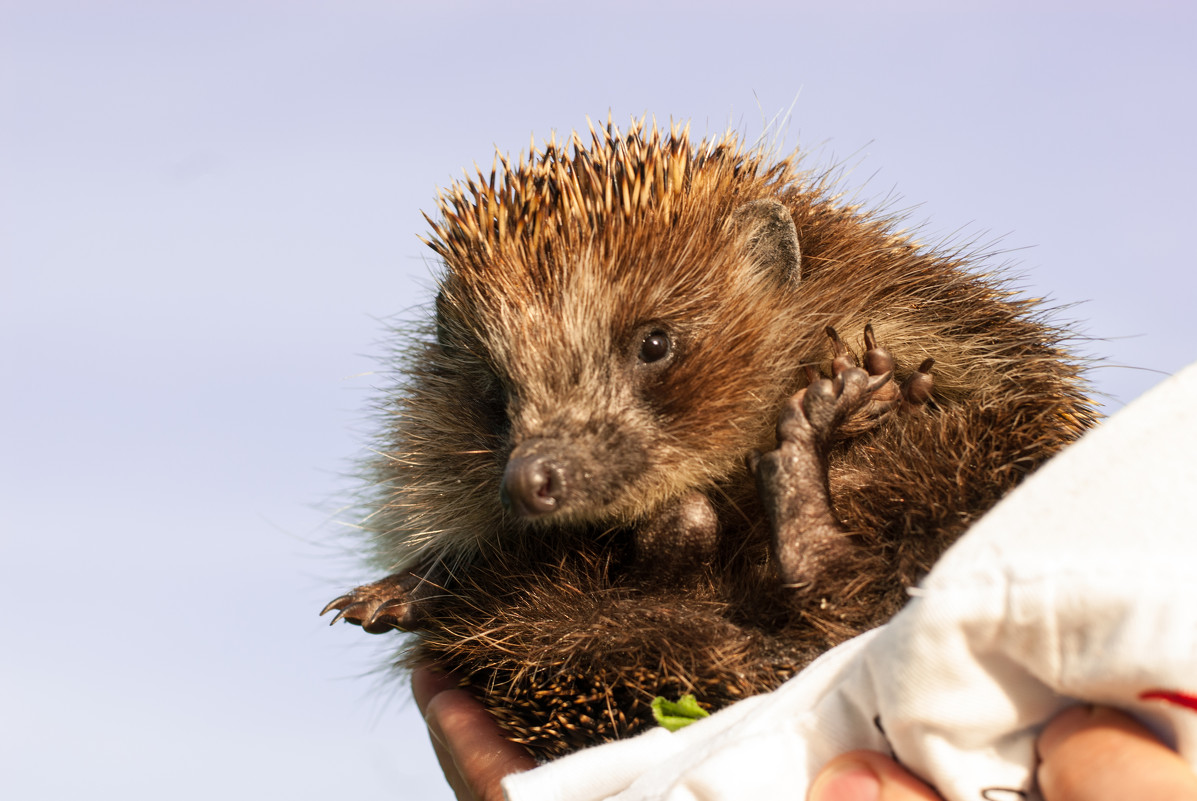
x: 208, y: 210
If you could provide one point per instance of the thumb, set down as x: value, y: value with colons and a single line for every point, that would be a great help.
x: 1097, y: 754
x: 867, y: 776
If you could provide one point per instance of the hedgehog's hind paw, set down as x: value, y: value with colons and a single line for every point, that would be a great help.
x: 812, y: 547
x: 395, y: 602
x: 809, y: 542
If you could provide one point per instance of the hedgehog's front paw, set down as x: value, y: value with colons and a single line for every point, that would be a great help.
x: 679, y: 540
x: 883, y: 394
x: 395, y: 602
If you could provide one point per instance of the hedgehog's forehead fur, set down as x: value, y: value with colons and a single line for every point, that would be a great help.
x: 569, y: 196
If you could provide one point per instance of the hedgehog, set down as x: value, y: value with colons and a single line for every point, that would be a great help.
x: 683, y: 419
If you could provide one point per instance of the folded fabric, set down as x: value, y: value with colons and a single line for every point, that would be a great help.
x: 1080, y: 586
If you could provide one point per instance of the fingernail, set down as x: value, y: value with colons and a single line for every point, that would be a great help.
x: 848, y: 781
x: 434, y: 732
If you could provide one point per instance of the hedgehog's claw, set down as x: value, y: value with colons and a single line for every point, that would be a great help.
x: 333, y: 604
x: 877, y: 360
x: 843, y: 358
x: 876, y: 382
x: 395, y: 602
x: 389, y: 615
x: 916, y: 390
x: 349, y: 608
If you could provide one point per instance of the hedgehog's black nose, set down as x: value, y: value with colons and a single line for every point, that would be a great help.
x: 532, y: 485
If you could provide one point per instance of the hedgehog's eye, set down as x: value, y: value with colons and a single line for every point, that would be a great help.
x: 654, y: 347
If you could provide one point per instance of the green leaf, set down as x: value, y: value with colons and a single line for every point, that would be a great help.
x: 674, y: 715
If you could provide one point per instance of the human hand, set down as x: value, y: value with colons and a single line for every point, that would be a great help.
x: 471, y: 749
x: 1086, y: 754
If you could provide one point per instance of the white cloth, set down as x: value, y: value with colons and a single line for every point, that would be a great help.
x: 1080, y: 586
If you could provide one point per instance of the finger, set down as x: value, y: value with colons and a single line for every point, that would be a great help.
x: 429, y: 680
x: 867, y: 776
x: 480, y: 754
x: 1096, y: 753
x: 461, y: 759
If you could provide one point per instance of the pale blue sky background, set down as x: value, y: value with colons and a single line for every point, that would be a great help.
x: 207, y: 209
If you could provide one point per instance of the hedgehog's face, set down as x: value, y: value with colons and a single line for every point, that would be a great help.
x: 590, y: 447
x: 632, y: 375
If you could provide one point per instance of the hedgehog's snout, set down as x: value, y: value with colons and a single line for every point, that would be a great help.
x: 533, y: 483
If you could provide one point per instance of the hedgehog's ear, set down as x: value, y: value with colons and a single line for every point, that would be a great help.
x: 772, y: 239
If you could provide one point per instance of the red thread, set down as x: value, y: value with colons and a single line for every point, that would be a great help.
x: 1172, y: 697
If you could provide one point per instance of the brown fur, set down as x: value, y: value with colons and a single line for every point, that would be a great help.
x: 554, y: 268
